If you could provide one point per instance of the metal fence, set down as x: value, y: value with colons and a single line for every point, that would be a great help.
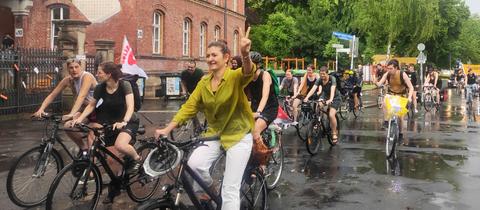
x: 27, y: 76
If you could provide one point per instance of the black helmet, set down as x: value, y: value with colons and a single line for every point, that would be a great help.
x: 256, y: 57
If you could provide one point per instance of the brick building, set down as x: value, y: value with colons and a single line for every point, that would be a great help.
x: 163, y: 33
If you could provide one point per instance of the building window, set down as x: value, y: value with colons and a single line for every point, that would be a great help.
x: 157, y: 33
x: 235, y: 43
x: 57, y: 13
x: 186, y: 36
x: 216, y: 34
x: 203, y: 39
x: 235, y: 5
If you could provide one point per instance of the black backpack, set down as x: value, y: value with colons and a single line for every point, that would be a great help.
x: 132, y: 79
x: 337, y: 76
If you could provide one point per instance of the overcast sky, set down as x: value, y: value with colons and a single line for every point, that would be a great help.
x: 474, y: 6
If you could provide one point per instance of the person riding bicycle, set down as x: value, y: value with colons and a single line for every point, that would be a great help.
x: 399, y: 84
x: 306, y: 84
x: 220, y: 96
x: 82, y: 84
x: 472, y: 81
x: 264, y: 102
x: 113, y: 104
x: 460, y: 77
x: 412, y: 74
x: 326, y: 88
x: 380, y: 72
x: 289, y: 83
x: 433, y: 80
x: 190, y: 77
x: 354, y: 84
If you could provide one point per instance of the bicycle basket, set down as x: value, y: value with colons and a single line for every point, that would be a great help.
x: 162, y: 160
x: 395, y: 106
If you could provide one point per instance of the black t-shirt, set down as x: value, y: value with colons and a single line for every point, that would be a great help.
x: 413, y: 77
x: 256, y: 89
x: 326, y: 88
x: 471, y: 79
x: 111, y: 108
x: 191, y: 80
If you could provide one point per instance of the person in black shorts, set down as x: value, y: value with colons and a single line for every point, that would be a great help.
x: 326, y: 87
x: 412, y: 74
x: 263, y: 99
x: 190, y: 77
x: 114, y: 105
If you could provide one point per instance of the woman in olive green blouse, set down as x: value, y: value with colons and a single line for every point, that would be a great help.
x: 221, y: 98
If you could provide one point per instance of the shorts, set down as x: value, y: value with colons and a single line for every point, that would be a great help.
x: 269, y: 114
x: 131, y: 129
x: 336, y: 103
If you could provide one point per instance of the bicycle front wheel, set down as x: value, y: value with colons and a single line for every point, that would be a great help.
x: 31, y: 175
x: 302, y: 126
x: 392, y: 137
x: 141, y: 186
x: 428, y: 104
x: 253, y: 192
x: 314, y: 137
x: 275, y: 164
x: 77, y: 186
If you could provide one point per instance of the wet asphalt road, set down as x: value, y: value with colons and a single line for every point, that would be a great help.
x: 438, y: 167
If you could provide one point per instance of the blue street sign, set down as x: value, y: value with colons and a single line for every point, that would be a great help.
x: 343, y: 36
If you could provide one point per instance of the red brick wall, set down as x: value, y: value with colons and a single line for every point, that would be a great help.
x: 138, y: 15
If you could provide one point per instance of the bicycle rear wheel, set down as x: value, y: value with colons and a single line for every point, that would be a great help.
x: 32, y: 174
x: 392, y: 138
x: 253, y: 192
x: 141, y: 186
x: 77, y: 186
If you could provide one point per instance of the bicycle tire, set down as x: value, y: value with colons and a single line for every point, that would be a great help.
x: 16, y: 166
x: 357, y: 113
x: 314, y: 136
x: 428, y: 102
x: 276, y: 159
x: 142, y: 178
x: 79, y: 170
x: 253, y: 192
x: 343, y: 112
x: 302, y: 126
x: 392, y: 138
x: 411, y: 111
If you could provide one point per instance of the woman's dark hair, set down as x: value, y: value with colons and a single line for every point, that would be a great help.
x: 111, y: 68
x: 220, y: 44
x: 238, y: 59
x: 394, y: 63
x: 311, y: 66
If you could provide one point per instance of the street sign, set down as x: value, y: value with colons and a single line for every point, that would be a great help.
x: 344, y: 50
x: 421, y: 58
x: 421, y: 47
x: 342, y: 35
x: 337, y: 46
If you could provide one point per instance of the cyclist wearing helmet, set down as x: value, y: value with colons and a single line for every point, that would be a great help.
x: 264, y: 102
x: 220, y: 96
x: 472, y: 80
x: 306, y: 84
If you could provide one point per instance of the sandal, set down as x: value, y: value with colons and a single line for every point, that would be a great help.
x: 334, y: 138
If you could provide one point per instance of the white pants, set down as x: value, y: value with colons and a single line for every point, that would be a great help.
x: 236, y: 161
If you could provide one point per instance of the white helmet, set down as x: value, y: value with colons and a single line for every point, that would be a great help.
x: 162, y: 160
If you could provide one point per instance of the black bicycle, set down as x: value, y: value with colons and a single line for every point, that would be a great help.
x: 79, y: 184
x: 253, y: 190
x: 305, y: 115
x: 319, y: 128
x: 32, y: 173
x: 348, y: 106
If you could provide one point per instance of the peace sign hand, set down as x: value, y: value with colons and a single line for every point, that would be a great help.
x: 245, y: 42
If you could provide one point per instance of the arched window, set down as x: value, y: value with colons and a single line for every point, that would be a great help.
x: 186, y: 36
x: 235, y: 42
x: 157, y: 32
x: 216, y: 33
x: 60, y: 12
x: 203, y: 39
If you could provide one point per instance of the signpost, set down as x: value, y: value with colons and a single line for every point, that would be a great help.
x: 338, y: 47
x: 421, y: 59
x: 353, y: 46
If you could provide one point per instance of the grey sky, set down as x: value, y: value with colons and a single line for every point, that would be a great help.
x: 474, y: 6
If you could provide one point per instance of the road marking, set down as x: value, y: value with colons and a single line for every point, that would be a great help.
x: 158, y: 111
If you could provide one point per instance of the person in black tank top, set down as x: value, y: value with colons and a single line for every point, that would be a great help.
x: 303, y: 89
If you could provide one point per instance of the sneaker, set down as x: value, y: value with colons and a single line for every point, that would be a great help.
x: 134, y: 166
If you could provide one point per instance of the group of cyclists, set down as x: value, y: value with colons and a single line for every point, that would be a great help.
x: 237, y: 98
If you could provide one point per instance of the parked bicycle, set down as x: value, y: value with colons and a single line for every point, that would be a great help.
x: 32, y: 173
x: 79, y: 184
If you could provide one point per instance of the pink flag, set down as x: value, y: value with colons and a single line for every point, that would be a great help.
x: 129, y: 63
